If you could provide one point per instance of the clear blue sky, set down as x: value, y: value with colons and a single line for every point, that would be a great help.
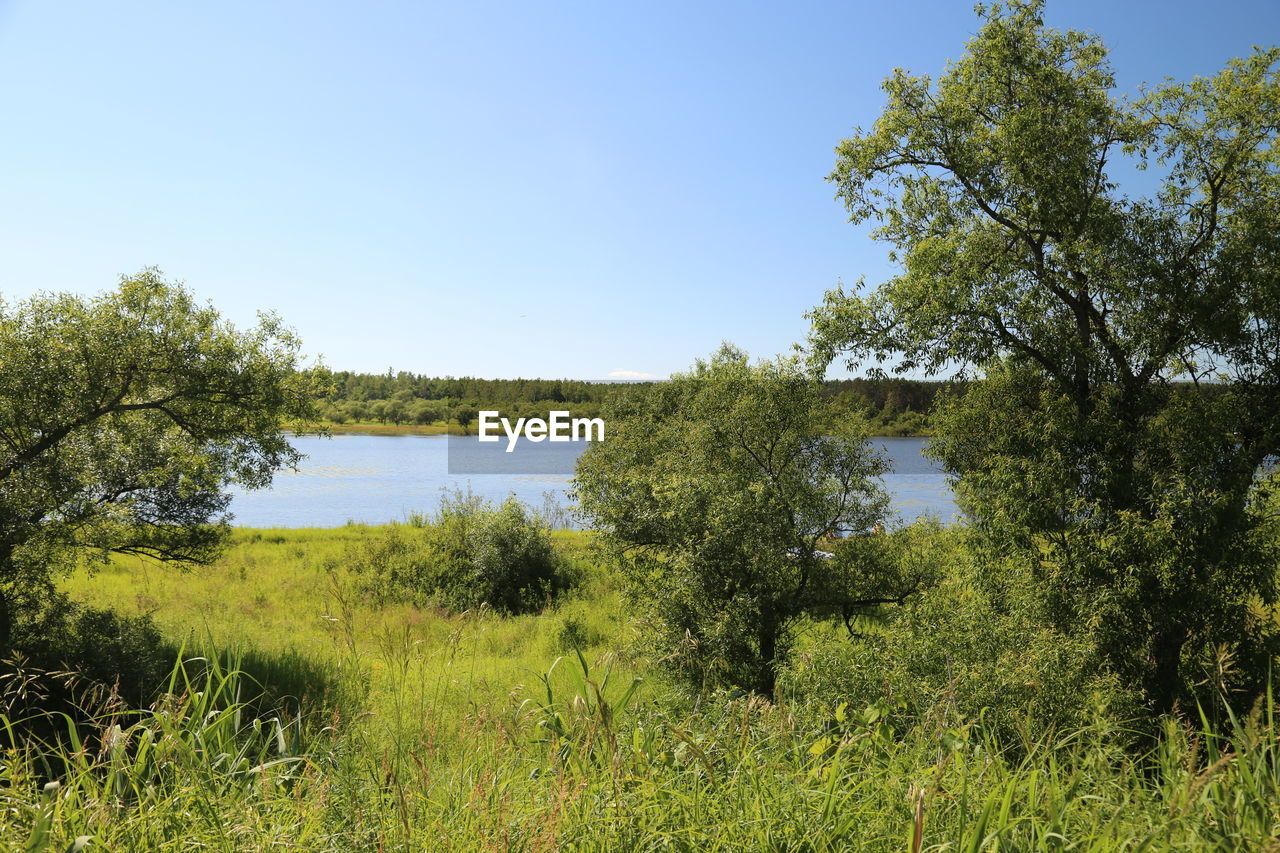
x: 526, y: 189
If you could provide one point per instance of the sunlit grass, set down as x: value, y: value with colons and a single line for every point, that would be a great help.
x: 426, y: 730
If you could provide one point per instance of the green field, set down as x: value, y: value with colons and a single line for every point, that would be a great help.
x: 420, y: 729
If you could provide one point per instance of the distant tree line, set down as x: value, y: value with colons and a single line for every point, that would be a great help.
x: 367, y: 387
x: 891, y: 405
x: 409, y: 398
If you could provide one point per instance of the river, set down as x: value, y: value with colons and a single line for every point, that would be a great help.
x: 376, y: 479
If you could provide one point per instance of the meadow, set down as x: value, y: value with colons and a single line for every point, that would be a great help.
x: 394, y: 727
x: 744, y: 650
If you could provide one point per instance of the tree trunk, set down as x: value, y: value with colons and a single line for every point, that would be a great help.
x: 6, y: 607
x: 6, y: 623
x: 767, y: 636
x: 1164, y: 682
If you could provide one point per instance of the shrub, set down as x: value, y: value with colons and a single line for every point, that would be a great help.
x: 96, y: 645
x: 582, y: 626
x: 70, y: 659
x: 470, y: 554
x: 962, y: 649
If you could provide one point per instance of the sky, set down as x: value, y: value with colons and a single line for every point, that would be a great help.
x: 547, y: 189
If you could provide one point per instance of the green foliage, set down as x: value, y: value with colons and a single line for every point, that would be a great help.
x: 971, y: 646
x: 718, y: 491
x: 464, y: 415
x: 577, y: 630
x: 1081, y: 305
x: 889, y: 405
x: 196, y: 746
x: 123, y: 420
x: 1155, y: 559
x: 470, y: 554
x: 75, y: 661
x: 467, y: 738
x: 71, y: 660
x: 366, y: 387
x: 407, y: 402
x: 510, y: 564
x: 101, y: 646
x: 580, y: 729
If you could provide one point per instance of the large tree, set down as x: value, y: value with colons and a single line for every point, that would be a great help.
x: 123, y: 419
x: 724, y: 494
x: 1084, y: 303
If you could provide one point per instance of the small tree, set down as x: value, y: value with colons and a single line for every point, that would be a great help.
x: 421, y: 412
x: 123, y: 418
x: 464, y: 415
x: 396, y: 411
x: 721, y: 492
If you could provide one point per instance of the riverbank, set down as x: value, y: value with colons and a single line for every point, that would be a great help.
x: 896, y: 430
x: 394, y: 429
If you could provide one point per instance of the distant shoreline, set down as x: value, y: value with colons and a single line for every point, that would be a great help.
x: 438, y: 429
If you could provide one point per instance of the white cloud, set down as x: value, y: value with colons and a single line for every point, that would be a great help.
x: 630, y: 374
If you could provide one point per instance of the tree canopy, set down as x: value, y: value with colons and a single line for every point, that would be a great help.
x: 1026, y: 258
x: 725, y: 494
x: 124, y: 418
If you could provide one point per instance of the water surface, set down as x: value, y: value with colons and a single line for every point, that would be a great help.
x: 374, y: 479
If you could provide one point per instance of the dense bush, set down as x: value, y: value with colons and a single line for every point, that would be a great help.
x: 71, y: 661
x: 470, y: 553
x: 972, y: 646
x: 97, y: 645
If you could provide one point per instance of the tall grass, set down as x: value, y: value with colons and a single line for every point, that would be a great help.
x: 425, y: 730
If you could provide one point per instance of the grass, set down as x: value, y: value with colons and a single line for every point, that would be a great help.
x: 417, y: 729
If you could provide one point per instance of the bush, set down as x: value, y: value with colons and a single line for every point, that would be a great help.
x: 96, y: 645
x: 471, y: 553
x: 70, y: 659
x: 497, y: 556
x: 962, y: 650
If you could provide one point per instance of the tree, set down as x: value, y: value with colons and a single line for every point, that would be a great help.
x: 333, y: 412
x: 124, y: 419
x: 421, y: 412
x: 1131, y: 345
x: 721, y: 491
x: 464, y: 415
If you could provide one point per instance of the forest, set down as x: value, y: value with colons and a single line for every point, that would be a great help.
x: 727, y: 641
x: 371, y: 402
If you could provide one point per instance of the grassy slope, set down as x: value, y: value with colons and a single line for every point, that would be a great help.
x: 286, y: 592
x: 446, y: 738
